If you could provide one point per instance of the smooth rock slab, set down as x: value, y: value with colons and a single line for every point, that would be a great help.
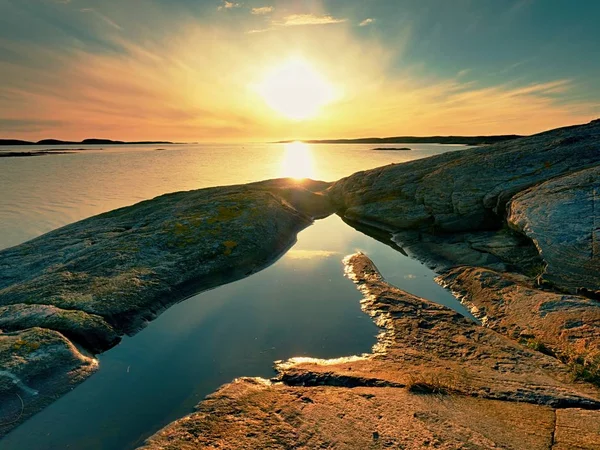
x: 562, y: 217
x: 577, y: 429
x: 125, y: 266
x: 87, y: 329
x: 252, y: 414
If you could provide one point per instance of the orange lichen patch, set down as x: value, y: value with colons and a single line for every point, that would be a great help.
x: 26, y: 346
x: 225, y: 214
x: 229, y: 246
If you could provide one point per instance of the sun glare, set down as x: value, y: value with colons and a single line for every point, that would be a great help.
x: 296, y: 90
x: 297, y: 161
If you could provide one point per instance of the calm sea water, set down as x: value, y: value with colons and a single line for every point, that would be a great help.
x: 41, y: 193
x: 301, y: 305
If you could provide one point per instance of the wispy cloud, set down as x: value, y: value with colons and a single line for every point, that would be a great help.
x: 298, y: 20
x: 152, y: 83
x: 263, y: 10
x: 102, y: 17
x: 366, y: 22
x: 228, y: 5
x: 308, y: 19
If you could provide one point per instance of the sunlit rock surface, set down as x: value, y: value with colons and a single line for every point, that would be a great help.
x: 565, y: 326
x: 94, y: 280
x: 435, y: 379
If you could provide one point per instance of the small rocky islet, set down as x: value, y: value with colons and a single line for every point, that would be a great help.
x: 512, y: 228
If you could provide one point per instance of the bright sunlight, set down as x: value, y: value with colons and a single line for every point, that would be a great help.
x: 296, y: 90
x: 297, y: 161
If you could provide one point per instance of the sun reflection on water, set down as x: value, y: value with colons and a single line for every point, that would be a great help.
x: 297, y: 161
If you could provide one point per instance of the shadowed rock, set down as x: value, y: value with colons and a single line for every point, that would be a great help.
x: 36, y: 366
x: 86, y: 329
x: 562, y: 217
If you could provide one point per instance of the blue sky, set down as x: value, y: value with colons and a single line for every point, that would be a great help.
x: 188, y: 69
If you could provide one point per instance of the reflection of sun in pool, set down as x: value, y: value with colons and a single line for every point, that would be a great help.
x: 297, y: 161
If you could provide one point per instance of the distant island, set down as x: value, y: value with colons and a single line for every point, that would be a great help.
x: 28, y: 154
x: 84, y: 142
x: 397, y: 149
x: 464, y: 140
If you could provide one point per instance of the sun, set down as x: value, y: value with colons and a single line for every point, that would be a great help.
x: 296, y: 90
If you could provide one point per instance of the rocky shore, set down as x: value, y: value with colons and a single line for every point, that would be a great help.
x: 512, y: 228
x: 436, y: 379
x: 73, y: 292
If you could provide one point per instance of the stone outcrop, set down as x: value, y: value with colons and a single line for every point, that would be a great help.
x: 36, y: 366
x: 565, y: 326
x: 529, y: 205
x: 97, y: 279
x: 464, y: 190
x: 562, y: 218
x: 120, y: 268
x: 434, y: 379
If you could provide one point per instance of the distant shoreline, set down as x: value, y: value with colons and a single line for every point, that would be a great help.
x: 461, y: 140
x: 8, y: 142
x: 29, y: 154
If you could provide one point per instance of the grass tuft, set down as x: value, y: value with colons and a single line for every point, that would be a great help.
x: 436, y: 384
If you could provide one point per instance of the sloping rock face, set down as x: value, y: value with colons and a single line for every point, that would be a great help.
x: 36, y: 366
x: 503, y: 250
x: 529, y: 205
x: 96, y: 279
x: 120, y: 268
x: 566, y: 326
x: 464, y: 190
x: 435, y: 379
x: 562, y: 217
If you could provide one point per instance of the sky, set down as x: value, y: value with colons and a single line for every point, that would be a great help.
x: 262, y: 70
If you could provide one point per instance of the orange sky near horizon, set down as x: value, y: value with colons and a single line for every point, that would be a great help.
x: 207, y: 83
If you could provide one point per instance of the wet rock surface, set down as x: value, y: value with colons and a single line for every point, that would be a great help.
x: 435, y: 379
x: 97, y: 279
